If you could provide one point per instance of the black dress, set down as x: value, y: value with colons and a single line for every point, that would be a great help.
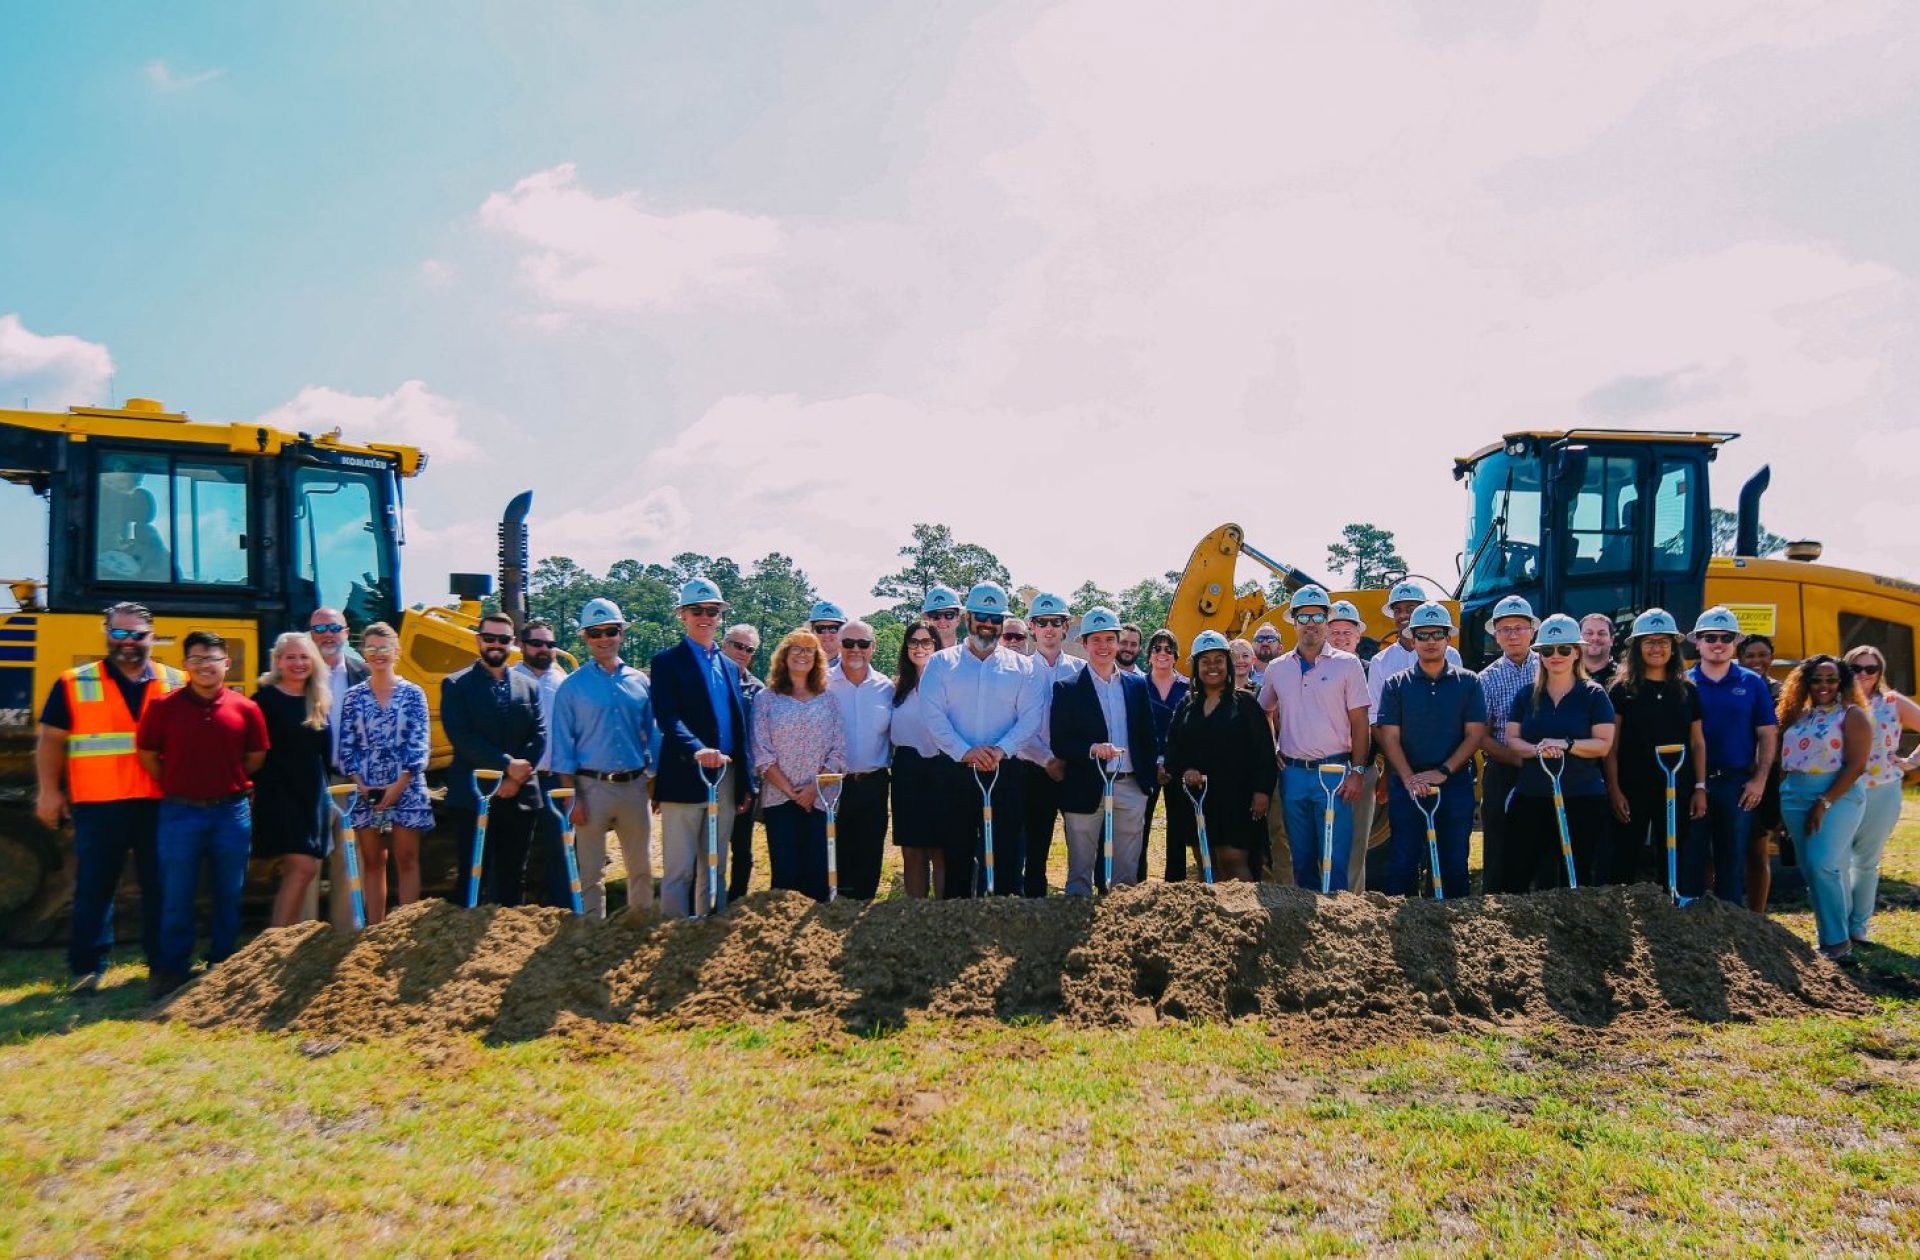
x: 1233, y: 747
x: 290, y: 810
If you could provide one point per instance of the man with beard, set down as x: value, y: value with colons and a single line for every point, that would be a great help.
x: 537, y: 644
x: 1128, y: 657
x: 87, y: 732
x: 1266, y: 650
x: 983, y: 708
x: 493, y: 719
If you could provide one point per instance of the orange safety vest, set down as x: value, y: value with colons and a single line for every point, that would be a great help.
x: 102, y: 764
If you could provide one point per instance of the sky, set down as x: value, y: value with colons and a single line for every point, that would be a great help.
x: 1080, y: 280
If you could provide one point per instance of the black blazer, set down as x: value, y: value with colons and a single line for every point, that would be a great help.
x: 1079, y: 724
x: 684, y: 711
x: 486, y: 736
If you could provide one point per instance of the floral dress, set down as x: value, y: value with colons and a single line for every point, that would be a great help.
x: 1813, y: 745
x: 378, y: 743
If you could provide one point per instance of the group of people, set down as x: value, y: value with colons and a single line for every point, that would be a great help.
x: 986, y: 733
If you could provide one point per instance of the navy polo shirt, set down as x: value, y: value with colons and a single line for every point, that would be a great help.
x: 1584, y: 707
x: 1730, y: 710
x: 1432, y: 713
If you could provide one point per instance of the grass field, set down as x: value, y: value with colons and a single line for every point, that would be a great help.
x: 125, y: 1135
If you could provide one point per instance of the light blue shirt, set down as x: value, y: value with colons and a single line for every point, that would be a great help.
x: 1113, y: 707
x: 975, y: 703
x: 722, y: 686
x: 908, y: 728
x: 1040, y: 751
x: 549, y: 684
x: 604, y: 722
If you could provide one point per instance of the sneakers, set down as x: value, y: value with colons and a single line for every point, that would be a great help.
x: 85, y: 985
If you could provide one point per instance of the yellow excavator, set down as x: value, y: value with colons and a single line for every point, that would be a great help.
x: 242, y: 529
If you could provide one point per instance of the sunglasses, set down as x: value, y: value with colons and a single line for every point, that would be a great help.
x: 1160, y: 649
x: 376, y: 654
x: 126, y: 636
x: 327, y: 627
x: 201, y: 662
x: 1430, y: 636
x: 1050, y: 622
x: 861, y: 645
x: 1864, y: 668
x: 602, y: 632
x: 1714, y: 636
x: 486, y: 637
x: 1268, y: 638
x: 944, y: 614
x: 917, y: 642
x: 537, y: 643
x: 1015, y: 637
x: 702, y: 610
x: 1300, y: 619
x: 989, y: 619
x: 826, y: 627
x: 737, y: 647
x: 1558, y: 649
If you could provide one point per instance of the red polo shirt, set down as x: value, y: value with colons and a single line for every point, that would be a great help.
x: 203, y: 745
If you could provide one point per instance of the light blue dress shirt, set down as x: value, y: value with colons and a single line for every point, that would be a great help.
x: 974, y: 703
x: 604, y: 722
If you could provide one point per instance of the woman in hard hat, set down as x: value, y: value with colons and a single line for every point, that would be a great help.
x: 1219, y: 736
x: 1892, y: 714
x: 1565, y: 716
x: 797, y: 734
x: 919, y: 786
x: 1656, y: 707
x: 1826, y: 737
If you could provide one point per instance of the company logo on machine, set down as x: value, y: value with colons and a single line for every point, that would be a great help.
x: 1755, y: 618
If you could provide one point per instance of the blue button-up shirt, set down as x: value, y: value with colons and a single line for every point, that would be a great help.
x: 1113, y: 707
x: 1502, y: 681
x: 604, y: 721
x: 974, y: 703
x: 722, y: 686
x: 1732, y: 710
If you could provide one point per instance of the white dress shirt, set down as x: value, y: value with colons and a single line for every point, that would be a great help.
x: 548, y: 683
x: 866, y: 711
x: 1040, y: 751
x: 1113, y: 707
x: 909, y: 727
x: 974, y: 702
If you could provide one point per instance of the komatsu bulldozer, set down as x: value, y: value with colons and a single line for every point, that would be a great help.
x: 241, y: 529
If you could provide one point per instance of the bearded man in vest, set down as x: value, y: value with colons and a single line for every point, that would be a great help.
x: 86, y: 734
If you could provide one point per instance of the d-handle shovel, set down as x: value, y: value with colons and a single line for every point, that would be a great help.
x: 1672, y: 770
x: 1433, y: 835
x: 714, y: 891
x: 1331, y: 790
x: 341, y: 797
x: 486, y: 783
x: 828, y: 786
x: 1199, y: 824
x: 1555, y: 767
x: 1108, y: 773
x: 563, y: 798
x: 986, y: 819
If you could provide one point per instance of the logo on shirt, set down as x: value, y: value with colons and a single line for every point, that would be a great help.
x: 1739, y: 691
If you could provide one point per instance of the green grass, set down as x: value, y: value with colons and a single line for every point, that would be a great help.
x: 1782, y: 1137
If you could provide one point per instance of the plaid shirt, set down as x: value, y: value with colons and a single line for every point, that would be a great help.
x: 1502, y: 681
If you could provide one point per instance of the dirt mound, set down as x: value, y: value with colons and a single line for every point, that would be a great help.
x: 1341, y: 968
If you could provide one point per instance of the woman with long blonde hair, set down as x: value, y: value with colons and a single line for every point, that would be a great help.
x: 291, y: 818
x: 1892, y: 713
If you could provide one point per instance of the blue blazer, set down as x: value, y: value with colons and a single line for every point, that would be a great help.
x: 1079, y: 724
x: 684, y: 711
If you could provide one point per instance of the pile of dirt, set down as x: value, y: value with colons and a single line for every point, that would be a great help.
x: 1343, y: 968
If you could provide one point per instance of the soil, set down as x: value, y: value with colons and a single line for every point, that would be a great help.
x: 1339, y: 970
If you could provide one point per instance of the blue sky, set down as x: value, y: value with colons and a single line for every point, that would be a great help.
x: 1081, y: 280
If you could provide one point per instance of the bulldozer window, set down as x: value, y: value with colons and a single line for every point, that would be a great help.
x: 1504, y: 533
x: 340, y: 558
x: 1601, y: 516
x: 160, y: 519
x: 1676, y: 544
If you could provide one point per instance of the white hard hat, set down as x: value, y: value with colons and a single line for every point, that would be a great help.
x: 939, y: 598
x: 1094, y: 620
x: 1407, y: 591
x: 1513, y: 606
x: 1048, y: 605
x: 1209, y: 641
x: 1654, y: 621
x: 1430, y: 615
x: 700, y: 591
x: 1308, y: 596
x: 1558, y: 630
x: 1719, y: 617
x: 601, y: 612
x: 826, y: 610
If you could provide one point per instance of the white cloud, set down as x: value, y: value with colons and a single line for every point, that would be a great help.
x: 51, y: 372
x: 412, y: 415
x: 619, y: 253
x: 165, y: 79
x: 437, y: 274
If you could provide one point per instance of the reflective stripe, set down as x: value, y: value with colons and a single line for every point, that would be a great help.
x: 87, y: 684
x: 100, y: 745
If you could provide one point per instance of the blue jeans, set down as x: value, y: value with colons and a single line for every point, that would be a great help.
x: 797, y: 848
x: 1721, y: 834
x: 1407, y: 837
x: 103, y: 833
x: 1826, y: 857
x: 1881, y: 815
x: 220, y: 837
x: 1305, y: 802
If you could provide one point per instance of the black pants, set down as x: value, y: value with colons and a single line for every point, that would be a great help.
x: 961, y: 831
x: 1533, y: 842
x: 740, y: 855
x: 1181, y: 834
x: 1037, y: 820
x: 1498, y: 781
x: 861, y: 834
x: 1638, y: 849
x: 510, y: 831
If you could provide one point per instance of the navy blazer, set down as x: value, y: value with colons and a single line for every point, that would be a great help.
x: 684, y: 711
x: 1079, y: 724
x: 486, y: 737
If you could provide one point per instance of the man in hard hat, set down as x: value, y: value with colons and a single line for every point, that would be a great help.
x: 1048, y: 616
x: 1743, y: 735
x: 1392, y: 658
x: 1266, y: 650
x: 604, y: 748
x: 1344, y: 631
x: 983, y: 707
x: 701, y: 711
x: 538, y: 643
x: 1101, y: 715
x: 1432, y: 719
x: 1513, y: 624
x: 865, y: 697
x: 1317, y: 698
x: 825, y: 620
x: 941, y: 608
x: 87, y: 737
x: 741, y: 643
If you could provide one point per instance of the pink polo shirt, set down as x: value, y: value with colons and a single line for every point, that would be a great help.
x: 1316, y: 704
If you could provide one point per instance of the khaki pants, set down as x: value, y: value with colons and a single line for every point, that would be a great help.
x: 1281, y: 869
x: 1363, y: 810
x: 1084, y: 833
x: 623, y: 809
x: 683, y: 846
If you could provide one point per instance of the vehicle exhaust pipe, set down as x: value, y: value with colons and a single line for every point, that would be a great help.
x: 513, y: 558
x: 1747, y: 537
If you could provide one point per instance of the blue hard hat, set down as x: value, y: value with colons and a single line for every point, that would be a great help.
x: 1429, y: 615
x: 1309, y: 596
x: 700, y: 591
x: 989, y: 598
x: 1558, y: 630
x: 1719, y: 617
x: 1209, y: 641
x: 1513, y: 606
x: 826, y: 610
x: 938, y: 598
x: 1407, y: 591
x: 601, y: 612
x: 1048, y: 605
x: 1094, y: 620
x: 1655, y: 621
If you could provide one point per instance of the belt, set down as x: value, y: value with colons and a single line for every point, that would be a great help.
x: 1308, y: 763
x: 866, y: 774
x: 611, y: 776
x: 205, y: 802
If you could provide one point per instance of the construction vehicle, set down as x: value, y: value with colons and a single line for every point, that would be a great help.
x: 241, y: 529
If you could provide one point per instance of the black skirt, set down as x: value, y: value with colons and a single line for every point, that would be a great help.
x: 920, y: 798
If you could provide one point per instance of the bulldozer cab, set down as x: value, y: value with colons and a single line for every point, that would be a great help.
x: 1586, y: 521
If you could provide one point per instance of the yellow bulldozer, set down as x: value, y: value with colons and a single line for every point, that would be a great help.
x: 241, y: 529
